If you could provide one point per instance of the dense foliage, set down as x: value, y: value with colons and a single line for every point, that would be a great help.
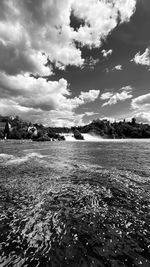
x: 121, y: 129
x: 16, y: 128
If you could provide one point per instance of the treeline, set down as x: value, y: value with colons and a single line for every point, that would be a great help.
x: 122, y: 129
x: 16, y: 128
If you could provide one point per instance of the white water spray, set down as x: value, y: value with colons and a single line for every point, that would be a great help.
x: 92, y: 138
x: 87, y: 137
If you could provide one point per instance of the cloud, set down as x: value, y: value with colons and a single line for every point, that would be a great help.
x: 106, y: 53
x: 32, y: 32
x: 141, y: 102
x: 142, y: 59
x: 106, y: 96
x: 141, y: 108
x: 118, y: 67
x: 111, y: 119
x: 24, y: 94
x: 90, y: 63
x: 106, y: 14
x: 89, y: 96
x: 33, y: 93
x: 126, y: 88
x: 143, y: 117
x: 39, y: 93
x: 90, y: 113
x: 83, y: 98
x: 49, y: 30
x: 15, y: 61
x: 113, y: 98
x: 63, y: 119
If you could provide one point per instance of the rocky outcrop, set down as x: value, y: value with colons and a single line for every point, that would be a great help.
x: 42, y: 138
x: 78, y: 135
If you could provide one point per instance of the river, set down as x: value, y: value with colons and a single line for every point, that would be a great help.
x: 75, y: 203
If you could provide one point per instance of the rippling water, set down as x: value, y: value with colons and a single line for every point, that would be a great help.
x: 75, y: 204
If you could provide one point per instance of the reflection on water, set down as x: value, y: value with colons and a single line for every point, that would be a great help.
x: 75, y: 204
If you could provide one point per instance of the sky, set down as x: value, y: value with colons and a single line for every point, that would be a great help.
x: 68, y: 62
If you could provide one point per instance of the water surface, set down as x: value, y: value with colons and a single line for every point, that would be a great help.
x: 75, y: 203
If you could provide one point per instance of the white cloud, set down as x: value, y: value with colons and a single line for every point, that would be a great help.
x: 32, y: 31
x: 89, y: 96
x: 60, y: 118
x: 106, y: 53
x: 106, y: 96
x: 83, y: 98
x: 142, y: 59
x: 90, y: 113
x: 141, y: 108
x: 126, y: 88
x: 126, y: 9
x: 141, y: 102
x: 118, y: 67
x: 34, y: 93
x: 27, y: 94
x: 111, y: 119
x: 113, y: 98
x: 106, y: 13
x: 28, y: 28
x: 143, y: 117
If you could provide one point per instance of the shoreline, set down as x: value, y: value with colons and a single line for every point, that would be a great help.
x: 81, y: 141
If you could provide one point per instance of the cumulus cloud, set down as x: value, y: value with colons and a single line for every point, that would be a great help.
x: 27, y: 94
x: 33, y: 31
x: 111, y: 119
x: 126, y: 88
x: 63, y: 119
x: 106, y: 96
x: 35, y: 93
x: 142, y: 59
x: 118, y: 67
x: 106, y: 53
x: 141, y: 102
x: 83, y: 98
x: 141, y: 108
x: 49, y: 30
x: 143, y: 117
x: 113, y: 98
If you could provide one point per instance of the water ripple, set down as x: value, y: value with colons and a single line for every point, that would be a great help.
x: 72, y: 213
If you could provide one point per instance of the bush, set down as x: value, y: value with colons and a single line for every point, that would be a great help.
x: 15, y: 134
x: 42, y: 138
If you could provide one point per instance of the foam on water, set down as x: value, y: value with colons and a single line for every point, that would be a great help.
x: 87, y: 137
x: 69, y: 137
x: 93, y: 138
x: 11, y: 159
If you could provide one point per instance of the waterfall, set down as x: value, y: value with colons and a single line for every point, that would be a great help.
x: 92, y: 138
x: 87, y: 137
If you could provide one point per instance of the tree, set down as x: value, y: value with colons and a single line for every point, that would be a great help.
x: 1, y: 134
x: 7, y: 130
x: 133, y: 121
x: 15, y: 134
